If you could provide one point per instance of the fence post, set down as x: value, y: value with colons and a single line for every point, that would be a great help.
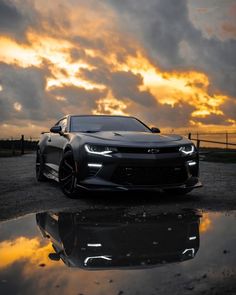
x: 22, y: 145
x: 226, y: 139
x: 198, y: 144
x: 12, y: 147
x: 189, y: 136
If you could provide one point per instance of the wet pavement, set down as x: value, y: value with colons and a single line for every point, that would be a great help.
x: 143, y: 243
x: 119, y: 251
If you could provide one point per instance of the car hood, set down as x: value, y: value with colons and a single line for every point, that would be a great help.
x: 134, y: 137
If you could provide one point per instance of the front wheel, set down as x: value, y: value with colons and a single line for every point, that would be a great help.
x: 67, y: 175
x: 39, y: 169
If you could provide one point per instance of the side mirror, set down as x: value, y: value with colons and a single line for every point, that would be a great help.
x: 54, y: 256
x: 56, y: 129
x: 155, y: 130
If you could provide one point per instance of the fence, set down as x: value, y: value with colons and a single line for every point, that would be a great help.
x: 225, y: 140
x: 17, y: 146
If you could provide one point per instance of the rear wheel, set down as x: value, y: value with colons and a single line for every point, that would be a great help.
x: 39, y: 168
x: 67, y: 175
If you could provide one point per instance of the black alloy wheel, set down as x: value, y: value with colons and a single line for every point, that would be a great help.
x: 39, y: 168
x: 67, y: 175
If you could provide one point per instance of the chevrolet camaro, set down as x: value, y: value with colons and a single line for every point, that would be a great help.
x: 115, y: 153
x: 99, y: 239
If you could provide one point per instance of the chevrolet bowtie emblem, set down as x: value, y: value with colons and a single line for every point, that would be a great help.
x: 153, y: 151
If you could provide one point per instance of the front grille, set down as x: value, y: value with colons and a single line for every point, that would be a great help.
x: 149, y: 175
x: 135, y: 150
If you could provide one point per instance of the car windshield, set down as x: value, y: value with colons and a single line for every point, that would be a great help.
x: 100, y: 123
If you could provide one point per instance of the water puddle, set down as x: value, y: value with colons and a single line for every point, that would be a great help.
x: 117, y: 251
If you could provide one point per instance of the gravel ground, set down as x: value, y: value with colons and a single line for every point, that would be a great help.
x: 22, y: 194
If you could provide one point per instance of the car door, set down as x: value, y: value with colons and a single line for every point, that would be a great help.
x: 55, y: 145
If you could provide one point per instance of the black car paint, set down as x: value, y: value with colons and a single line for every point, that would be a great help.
x: 53, y: 145
x: 117, y: 238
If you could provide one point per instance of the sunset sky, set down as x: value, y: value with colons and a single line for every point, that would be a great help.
x: 172, y: 63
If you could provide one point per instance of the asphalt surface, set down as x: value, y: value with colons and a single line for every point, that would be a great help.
x: 212, y: 271
x: 21, y: 194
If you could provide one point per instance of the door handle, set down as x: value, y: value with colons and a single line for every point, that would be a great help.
x: 49, y: 139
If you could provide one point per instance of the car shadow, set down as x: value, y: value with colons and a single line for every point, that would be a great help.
x: 137, y: 198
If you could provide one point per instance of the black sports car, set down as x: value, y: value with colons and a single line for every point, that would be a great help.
x: 119, y: 238
x: 115, y: 153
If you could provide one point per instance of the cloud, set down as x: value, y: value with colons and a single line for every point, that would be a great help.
x: 213, y: 119
x: 229, y: 108
x: 145, y: 59
x: 124, y: 85
x: 16, y: 19
x: 79, y: 99
x: 229, y: 29
x: 25, y: 87
x: 164, y: 115
x: 162, y: 26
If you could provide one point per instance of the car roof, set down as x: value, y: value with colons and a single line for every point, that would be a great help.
x: 74, y: 115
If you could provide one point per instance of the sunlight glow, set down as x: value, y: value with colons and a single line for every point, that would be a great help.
x: 110, y: 105
x: 175, y: 87
x: 17, y: 106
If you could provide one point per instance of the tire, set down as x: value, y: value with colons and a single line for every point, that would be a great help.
x: 179, y: 191
x: 67, y: 175
x: 39, y: 167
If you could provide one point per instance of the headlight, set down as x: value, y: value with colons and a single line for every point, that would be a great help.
x: 187, y: 149
x: 100, y: 150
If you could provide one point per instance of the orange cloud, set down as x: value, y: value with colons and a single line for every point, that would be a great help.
x: 205, y: 223
x: 110, y: 105
x: 23, y: 248
x: 100, y: 41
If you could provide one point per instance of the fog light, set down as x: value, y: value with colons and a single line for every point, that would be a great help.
x: 192, y: 163
x: 192, y: 238
x: 94, y: 165
x: 93, y: 168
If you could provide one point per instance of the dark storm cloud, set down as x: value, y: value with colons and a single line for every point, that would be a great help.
x: 164, y: 26
x: 214, y: 119
x: 79, y: 97
x: 124, y: 85
x: 26, y: 87
x: 229, y: 108
x: 164, y: 114
x: 15, y: 20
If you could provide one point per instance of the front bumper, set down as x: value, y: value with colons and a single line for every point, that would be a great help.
x: 96, y: 184
x: 127, y: 171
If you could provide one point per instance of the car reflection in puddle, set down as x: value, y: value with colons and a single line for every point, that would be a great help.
x: 110, y: 239
x: 124, y: 247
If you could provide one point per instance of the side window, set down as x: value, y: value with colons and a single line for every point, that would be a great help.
x: 63, y: 124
